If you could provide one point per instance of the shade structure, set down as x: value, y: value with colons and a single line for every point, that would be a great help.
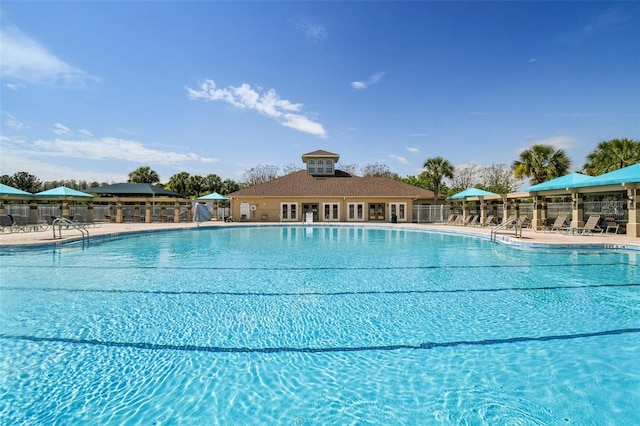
x: 627, y: 174
x: 214, y: 196
x: 562, y: 182
x: 471, y: 192
x: 133, y: 189
x: 10, y: 190
x: 63, y: 192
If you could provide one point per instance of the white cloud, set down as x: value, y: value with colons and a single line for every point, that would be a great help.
x: 532, y: 60
x: 413, y: 150
x: 109, y: 148
x: 60, y: 129
x: 313, y: 31
x: 266, y: 103
x: 85, y: 133
x: 209, y: 160
x: 421, y: 135
x: 399, y: 159
x: 24, y: 59
x: 373, y: 79
x: 13, y: 122
x: 14, y: 86
x: 558, y: 142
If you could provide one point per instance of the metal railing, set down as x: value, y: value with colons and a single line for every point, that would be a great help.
x: 69, y: 224
x: 514, y: 222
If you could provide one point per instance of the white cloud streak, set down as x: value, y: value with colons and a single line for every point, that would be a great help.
x: 413, y: 150
x: 313, y: 31
x: 24, y: 59
x: 60, y: 129
x: 399, y: 159
x: 267, y: 103
x: 13, y: 122
x: 373, y: 79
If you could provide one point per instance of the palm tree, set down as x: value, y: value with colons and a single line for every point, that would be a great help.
x: 179, y: 183
x: 212, y: 183
x: 196, y: 183
x: 612, y: 155
x: 144, y: 175
x: 437, y: 168
x: 541, y: 163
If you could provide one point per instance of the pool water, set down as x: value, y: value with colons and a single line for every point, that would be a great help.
x: 318, y: 325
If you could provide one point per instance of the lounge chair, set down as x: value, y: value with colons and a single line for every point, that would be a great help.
x: 473, y: 221
x: 524, y: 221
x: 6, y: 224
x: 611, y: 224
x: 450, y: 220
x: 558, y: 225
x: 488, y: 220
x: 590, y: 226
x: 457, y: 220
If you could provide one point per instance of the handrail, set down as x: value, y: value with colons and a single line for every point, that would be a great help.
x: 62, y: 221
x: 516, y: 222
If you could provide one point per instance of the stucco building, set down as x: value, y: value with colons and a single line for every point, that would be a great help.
x: 328, y: 195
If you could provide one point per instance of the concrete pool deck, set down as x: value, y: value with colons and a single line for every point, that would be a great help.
x: 529, y: 237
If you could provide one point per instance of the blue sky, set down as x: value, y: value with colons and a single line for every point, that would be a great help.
x: 93, y: 90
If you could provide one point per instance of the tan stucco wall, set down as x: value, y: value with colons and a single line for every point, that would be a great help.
x: 271, y: 208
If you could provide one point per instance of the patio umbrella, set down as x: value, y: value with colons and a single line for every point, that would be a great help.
x: 215, y: 197
x: 471, y: 192
x: 6, y: 190
x: 63, y: 192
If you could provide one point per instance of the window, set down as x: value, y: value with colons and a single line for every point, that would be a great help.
x: 311, y: 167
x: 400, y: 210
x: 328, y: 167
x: 320, y: 167
x: 355, y: 211
x: 331, y: 211
x: 289, y: 211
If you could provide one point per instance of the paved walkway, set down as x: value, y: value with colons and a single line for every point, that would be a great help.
x: 529, y: 237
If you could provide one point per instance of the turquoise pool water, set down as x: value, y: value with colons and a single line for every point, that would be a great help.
x: 318, y: 325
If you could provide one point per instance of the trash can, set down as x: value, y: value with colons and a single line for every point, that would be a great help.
x: 394, y: 218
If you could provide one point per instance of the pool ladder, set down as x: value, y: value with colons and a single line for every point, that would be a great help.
x: 513, y: 222
x: 60, y: 222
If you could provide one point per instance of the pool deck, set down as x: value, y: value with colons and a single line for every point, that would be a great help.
x: 529, y: 237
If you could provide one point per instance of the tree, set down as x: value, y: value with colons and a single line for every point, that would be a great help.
x: 196, y: 183
x: 26, y: 182
x: 498, y: 178
x: 6, y: 180
x: 291, y: 168
x: 352, y: 169
x: 379, y: 170
x: 260, y: 174
x: 144, y: 175
x: 228, y: 186
x: 179, y: 183
x: 612, y: 155
x: 464, y: 177
x: 541, y: 163
x: 212, y: 183
x: 436, y: 169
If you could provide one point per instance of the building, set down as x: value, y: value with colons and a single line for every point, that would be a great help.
x: 322, y: 193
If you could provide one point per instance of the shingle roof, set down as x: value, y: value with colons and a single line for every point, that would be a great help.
x: 301, y: 184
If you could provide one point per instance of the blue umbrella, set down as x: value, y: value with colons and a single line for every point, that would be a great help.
x: 63, y: 192
x: 471, y: 192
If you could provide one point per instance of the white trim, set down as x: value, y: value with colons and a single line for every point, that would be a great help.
x: 330, y: 218
x: 289, y: 217
x: 355, y: 209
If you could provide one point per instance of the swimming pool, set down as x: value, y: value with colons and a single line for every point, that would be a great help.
x: 318, y: 325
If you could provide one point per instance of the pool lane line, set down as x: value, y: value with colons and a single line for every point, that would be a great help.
x: 311, y: 293
x: 286, y: 349
x: 315, y: 268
